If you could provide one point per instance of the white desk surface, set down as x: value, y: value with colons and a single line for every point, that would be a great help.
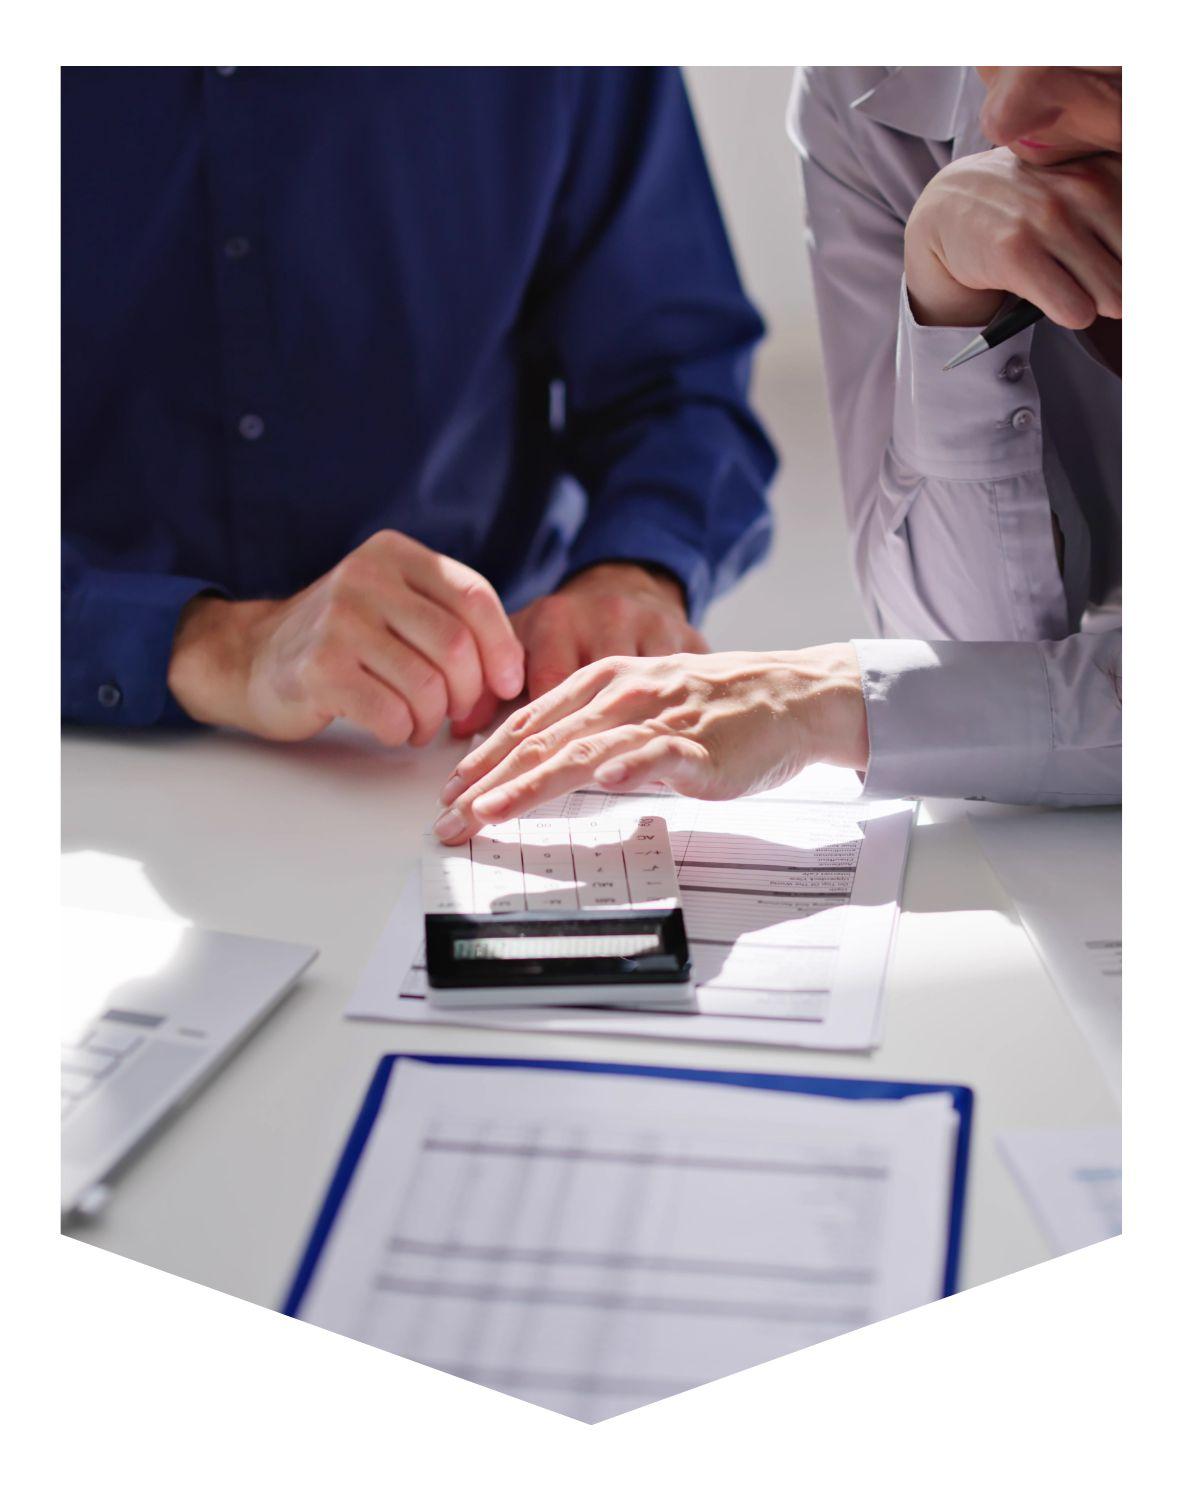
x: 312, y: 842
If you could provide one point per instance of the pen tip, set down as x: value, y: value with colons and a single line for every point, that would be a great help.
x: 977, y: 345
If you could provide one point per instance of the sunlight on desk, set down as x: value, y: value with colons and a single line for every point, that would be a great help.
x: 100, y: 955
x: 111, y: 882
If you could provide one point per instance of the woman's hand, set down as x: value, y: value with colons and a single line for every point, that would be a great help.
x: 991, y: 224
x: 708, y: 726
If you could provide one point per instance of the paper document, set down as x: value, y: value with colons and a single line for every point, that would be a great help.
x: 1062, y: 870
x: 1072, y: 1179
x: 790, y: 900
x: 594, y: 1241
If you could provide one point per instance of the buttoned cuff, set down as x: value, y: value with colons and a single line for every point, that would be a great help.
x: 956, y: 719
x: 981, y: 420
x: 118, y: 634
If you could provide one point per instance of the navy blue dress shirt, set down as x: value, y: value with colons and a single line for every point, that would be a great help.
x: 492, y: 308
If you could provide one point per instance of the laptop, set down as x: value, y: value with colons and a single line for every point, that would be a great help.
x: 149, y: 1011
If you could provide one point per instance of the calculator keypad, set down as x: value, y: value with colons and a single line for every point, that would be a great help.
x: 554, y: 864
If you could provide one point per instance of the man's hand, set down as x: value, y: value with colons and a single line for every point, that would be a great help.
x: 708, y: 726
x: 396, y: 638
x: 612, y: 609
x: 991, y: 224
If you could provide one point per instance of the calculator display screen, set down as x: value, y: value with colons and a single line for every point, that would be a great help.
x: 551, y: 945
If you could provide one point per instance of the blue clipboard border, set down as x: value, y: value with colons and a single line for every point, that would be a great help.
x: 791, y: 1083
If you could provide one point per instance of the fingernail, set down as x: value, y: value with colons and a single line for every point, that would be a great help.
x: 510, y: 681
x: 452, y: 789
x: 450, y: 824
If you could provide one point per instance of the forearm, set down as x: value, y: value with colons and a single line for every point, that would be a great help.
x: 118, y: 632
x: 636, y: 575
x: 936, y: 298
x: 1026, y: 722
x: 211, y: 657
x: 680, y: 503
x: 959, y: 541
x: 831, y: 704
x: 638, y: 300
x: 942, y: 472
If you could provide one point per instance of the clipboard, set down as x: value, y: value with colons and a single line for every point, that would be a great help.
x: 838, y: 1088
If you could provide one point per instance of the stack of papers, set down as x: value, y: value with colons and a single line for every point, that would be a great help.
x: 594, y: 1239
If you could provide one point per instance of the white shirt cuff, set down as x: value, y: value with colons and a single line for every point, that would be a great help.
x: 981, y: 420
x: 955, y: 719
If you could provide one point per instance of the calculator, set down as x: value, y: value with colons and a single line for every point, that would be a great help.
x: 555, y: 902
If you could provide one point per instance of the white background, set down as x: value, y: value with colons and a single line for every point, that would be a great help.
x: 1075, y: 1378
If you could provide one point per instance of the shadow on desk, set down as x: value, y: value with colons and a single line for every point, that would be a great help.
x: 947, y: 870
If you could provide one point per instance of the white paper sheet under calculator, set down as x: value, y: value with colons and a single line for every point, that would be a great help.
x: 554, y: 864
x: 570, y: 865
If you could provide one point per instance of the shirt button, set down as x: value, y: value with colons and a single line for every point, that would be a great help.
x: 252, y: 426
x: 1013, y: 368
x: 1022, y: 418
x: 226, y: 72
x: 236, y: 246
x: 109, y: 695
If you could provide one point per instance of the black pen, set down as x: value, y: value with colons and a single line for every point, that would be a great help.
x: 1013, y: 316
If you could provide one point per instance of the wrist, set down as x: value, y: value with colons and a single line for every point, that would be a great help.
x: 628, y: 578
x: 210, y: 658
x: 935, y: 298
x: 831, y: 704
x: 940, y: 302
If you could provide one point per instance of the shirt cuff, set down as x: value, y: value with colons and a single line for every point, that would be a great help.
x: 118, y: 635
x: 981, y: 420
x: 956, y: 719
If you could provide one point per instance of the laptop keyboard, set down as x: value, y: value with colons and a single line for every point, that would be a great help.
x: 93, y: 1059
